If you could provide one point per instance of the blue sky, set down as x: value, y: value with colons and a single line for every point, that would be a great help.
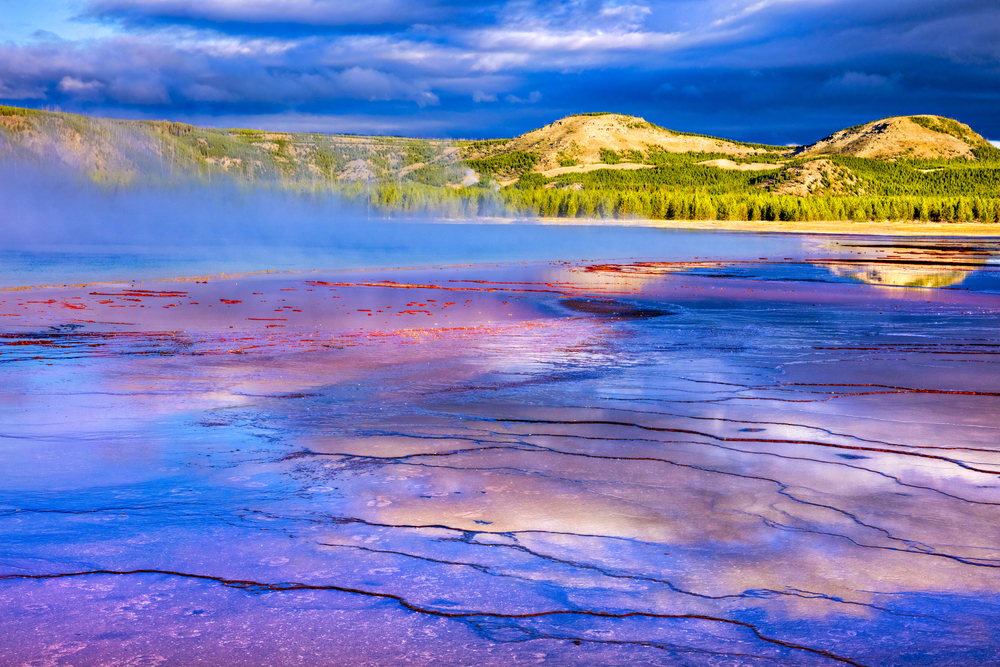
x: 776, y: 71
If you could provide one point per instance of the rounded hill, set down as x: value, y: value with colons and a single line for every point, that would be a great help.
x: 922, y: 137
x: 588, y: 139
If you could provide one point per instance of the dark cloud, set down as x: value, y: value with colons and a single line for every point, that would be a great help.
x: 770, y: 70
x: 280, y: 16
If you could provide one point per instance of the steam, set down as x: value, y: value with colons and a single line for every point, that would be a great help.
x: 58, y: 207
x: 469, y: 178
x: 58, y: 227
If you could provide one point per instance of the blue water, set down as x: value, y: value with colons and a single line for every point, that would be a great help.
x: 354, y: 244
x: 751, y: 462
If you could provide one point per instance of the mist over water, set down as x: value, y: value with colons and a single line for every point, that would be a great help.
x: 58, y: 227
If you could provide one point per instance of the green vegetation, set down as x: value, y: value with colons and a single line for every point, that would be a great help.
x: 175, y: 129
x: 438, y: 175
x: 504, y: 165
x: 680, y: 189
x: 946, y: 126
x: 17, y: 111
x: 942, y: 178
x: 987, y: 153
x: 531, y: 181
x: 566, y: 160
x: 679, y: 176
x: 417, y: 152
x: 329, y: 162
x: 486, y: 144
x: 609, y: 156
x: 664, y: 205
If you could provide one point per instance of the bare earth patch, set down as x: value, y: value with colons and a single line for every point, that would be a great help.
x: 357, y: 170
x: 584, y: 168
x: 729, y: 164
x: 816, y: 177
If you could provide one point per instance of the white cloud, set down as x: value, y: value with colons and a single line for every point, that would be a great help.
x: 751, y: 8
x: 577, y: 40
x: 995, y: 142
x: 480, y: 96
x: 81, y: 90
x: 373, y: 85
x: 631, y: 16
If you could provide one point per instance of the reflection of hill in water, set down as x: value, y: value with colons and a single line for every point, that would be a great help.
x: 896, y: 276
x: 942, y: 264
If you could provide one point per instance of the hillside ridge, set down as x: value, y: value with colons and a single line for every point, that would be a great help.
x: 577, y: 151
x: 915, y: 137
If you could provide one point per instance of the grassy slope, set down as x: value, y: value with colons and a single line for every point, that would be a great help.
x: 127, y: 151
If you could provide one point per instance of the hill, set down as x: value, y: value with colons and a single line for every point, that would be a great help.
x: 589, y: 165
x: 912, y: 137
x: 125, y: 151
x: 609, y: 139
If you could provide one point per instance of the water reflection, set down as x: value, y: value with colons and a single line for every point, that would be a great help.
x: 501, y: 464
x: 894, y: 276
x: 910, y: 264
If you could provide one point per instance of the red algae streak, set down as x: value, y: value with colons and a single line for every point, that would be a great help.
x: 492, y: 294
x: 332, y: 313
x: 327, y: 305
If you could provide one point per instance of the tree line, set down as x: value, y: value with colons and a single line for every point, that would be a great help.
x: 415, y: 198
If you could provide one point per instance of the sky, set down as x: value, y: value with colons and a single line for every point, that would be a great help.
x: 772, y: 71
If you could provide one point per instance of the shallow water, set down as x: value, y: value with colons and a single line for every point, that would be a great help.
x: 676, y: 449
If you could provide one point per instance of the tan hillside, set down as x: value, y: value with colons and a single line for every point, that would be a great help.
x: 581, y: 138
x: 901, y: 136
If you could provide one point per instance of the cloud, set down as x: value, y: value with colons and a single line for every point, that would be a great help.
x: 861, y: 83
x: 150, y: 73
x: 995, y: 142
x: 14, y: 90
x: 369, y: 84
x: 79, y: 89
x: 533, y: 97
x: 344, y: 123
x: 731, y: 64
x: 316, y: 13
